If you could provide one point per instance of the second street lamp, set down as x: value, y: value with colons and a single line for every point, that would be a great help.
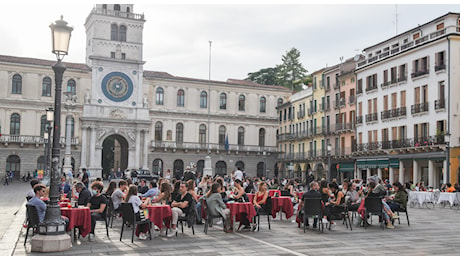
x: 328, y: 176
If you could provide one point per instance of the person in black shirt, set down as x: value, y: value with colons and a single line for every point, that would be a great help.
x: 97, y: 206
x: 143, y: 188
x: 84, y: 195
x: 312, y: 193
x: 180, y: 205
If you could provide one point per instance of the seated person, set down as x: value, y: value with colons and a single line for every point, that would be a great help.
x: 260, y: 198
x: 312, y: 193
x: 132, y: 198
x: 450, y: 188
x: 31, y: 193
x: 333, y: 206
x: 40, y: 205
x: 399, y: 200
x: 191, y: 190
x: 179, y: 207
x: 165, y: 194
x: 119, y: 194
x: 354, y: 198
x: 97, y: 205
x: 143, y: 188
x: 217, y: 207
x: 84, y: 195
x: 152, y: 191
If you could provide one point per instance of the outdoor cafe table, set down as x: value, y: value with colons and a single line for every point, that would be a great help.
x: 236, y: 208
x: 159, y: 214
x: 282, y: 204
x: 272, y: 193
x: 78, y: 217
x: 447, y: 196
x: 420, y: 196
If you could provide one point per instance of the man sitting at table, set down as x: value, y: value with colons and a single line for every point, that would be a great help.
x: 119, y: 194
x: 64, y: 187
x: 31, y: 193
x: 143, y: 188
x: 312, y: 193
x: 40, y: 205
x: 97, y: 205
x: 152, y: 192
x: 179, y: 207
x: 84, y: 195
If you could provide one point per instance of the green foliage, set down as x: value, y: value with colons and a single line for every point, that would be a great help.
x: 290, y: 73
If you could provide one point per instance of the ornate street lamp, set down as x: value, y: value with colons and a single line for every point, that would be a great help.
x: 53, y: 223
x: 329, y: 148
x: 447, y: 140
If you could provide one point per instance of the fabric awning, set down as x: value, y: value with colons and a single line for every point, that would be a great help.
x: 393, y: 163
x: 347, y: 167
x: 382, y: 163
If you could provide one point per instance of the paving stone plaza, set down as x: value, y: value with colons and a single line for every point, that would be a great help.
x: 432, y: 232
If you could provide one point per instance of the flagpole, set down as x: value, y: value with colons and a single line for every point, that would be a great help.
x: 207, y: 171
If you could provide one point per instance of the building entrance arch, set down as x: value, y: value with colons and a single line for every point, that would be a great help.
x: 114, y: 154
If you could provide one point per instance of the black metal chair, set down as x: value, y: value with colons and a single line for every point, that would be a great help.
x: 32, y: 220
x: 265, y: 210
x: 373, y: 206
x: 286, y: 193
x: 402, y: 210
x: 189, y: 218
x: 111, y: 214
x: 209, y: 217
x: 313, y: 208
x: 129, y: 218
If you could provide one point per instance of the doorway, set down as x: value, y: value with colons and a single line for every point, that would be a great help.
x: 114, y: 154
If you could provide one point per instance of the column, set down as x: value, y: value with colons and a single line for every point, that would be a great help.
x: 92, y: 147
x: 379, y: 173
x: 391, y: 175
x: 444, y: 173
x: 368, y: 174
x: 68, y: 139
x: 84, y: 148
x: 431, y: 182
x: 138, y: 149
x: 401, y: 172
x: 145, y: 161
x: 416, y: 172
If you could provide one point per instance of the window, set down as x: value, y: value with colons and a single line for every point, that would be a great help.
x: 262, y: 137
x: 72, y: 86
x: 439, y: 26
x: 122, y: 34
x: 123, y: 56
x: 203, y: 99
x: 202, y: 134
x: 114, y: 32
x: 15, y: 124
x: 280, y: 101
x: 13, y: 163
x: 416, y: 36
x: 159, y: 96
x: 72, y: 127
x: 168, y: 135
x: 46, y: 87
x: 440, y: 61
x: 241, y: 136
x: 223, y: 101
x: 180, y: 98
x: 17, y: 84
x: 241, y: 103
x: 112, y: 55
x: 179, y: 133
x: 158, y: 131
x: 43, y: 125
x: 157, y: 166
x: 263, y: 105
x: 116, y: 7
x: 222, y: 132
x: 221, y: 168
x: 402, y: 73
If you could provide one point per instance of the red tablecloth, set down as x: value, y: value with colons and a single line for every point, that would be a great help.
x: 78, y: 217
x: 299, y: 194
x: 271, y: 193
x: 160, y: 213
x: 251, y: 196
x: 283, y: 203
x: 237, y: 208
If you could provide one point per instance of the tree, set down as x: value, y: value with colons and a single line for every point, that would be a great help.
x: 290, y: 73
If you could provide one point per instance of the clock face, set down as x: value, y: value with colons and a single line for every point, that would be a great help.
x: 117, y: 86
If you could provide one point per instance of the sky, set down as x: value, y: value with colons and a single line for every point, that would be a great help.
x: 246, y: 37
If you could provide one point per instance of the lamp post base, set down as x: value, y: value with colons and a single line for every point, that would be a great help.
x: 50, y: 243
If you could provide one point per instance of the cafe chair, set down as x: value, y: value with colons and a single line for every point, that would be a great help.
x: 345, y: 215
x: 265, y: 210
x: 111, y: 214
x: 313, y: 208
x: 286, y: 193
x: 402, y: 210
x: 457, y: 200
x: 129, y: 218
x: 209, y: 217
x: 373, y: 206
x: 189, y: 218
x: 433, y: 199
x: 32, y: 220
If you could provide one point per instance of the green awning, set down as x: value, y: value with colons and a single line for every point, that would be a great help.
x: 371, y: 164
x: 394, y: 163
x: 347, y: 167
x: 361, y: 164
x: 382, y: 163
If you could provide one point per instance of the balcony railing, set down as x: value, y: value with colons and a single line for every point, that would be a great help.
x: 440, y: 104
x: 440, y: 67
x: 351, y: 100
x: 385, y: 114
x: 212, y: 146
x: 33, y: 139
x: 359, y: 90
x: 419, y: 73
x: 345, y: 126
x: 371, y: 87
x: 359, y: 119
x: 419, y: 108
x: 401, y: 79
x: 118, y: 13
x: 402, y: 143
x: 371, y: 117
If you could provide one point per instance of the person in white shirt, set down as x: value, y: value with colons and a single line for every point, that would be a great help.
x: 239, y: 174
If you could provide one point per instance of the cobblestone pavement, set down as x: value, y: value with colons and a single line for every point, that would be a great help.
x: 432, y: 232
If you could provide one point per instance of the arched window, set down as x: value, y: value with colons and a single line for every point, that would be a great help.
x: 222, y: 135
x: 262, y: 137
x: 159, y: 96
x: 241, y: 103
x: 200, y: 167
x: 158, y: 131
x: 46, y: 87
x: 223, y: 101
x: 263, y: 105
x: 13, y: 163
x: 179, y: 133
x: 203, y: 99
x: 239, y: 164
x: 180, y: 98
x: 157, y: 167
x: 241, y: 136
x: 15, y: 124
x: 221, y: 168
x: 43, y: 125
x: 202, y: 134
x: 114, y: 32
x: 260, y: 169
x: 122, y: 35
x: 128, y: 9
x: 16, y: 84
x: 41, y: 164
x: 116, y: 7
x: 280, y: 101
x: 72, y: 86
x: 178, y: 170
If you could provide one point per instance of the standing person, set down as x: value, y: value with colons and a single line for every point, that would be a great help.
x: 134, y: 176
x: 70, y: 175
x: 168, y: 174
x: 64, y: 187
x: 85, y: 178
x: 7, y: 179
x: 97, y: 205
x: 188, y: 174
x: 111, y: 174
x: 179, y: 207
x: 238, y: 174
x: 119, y: 174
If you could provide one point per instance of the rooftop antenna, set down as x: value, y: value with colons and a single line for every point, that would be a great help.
x: 396, y: 18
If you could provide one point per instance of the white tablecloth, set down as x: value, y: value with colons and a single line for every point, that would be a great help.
x: 420, y: 196
x: 447, y: 196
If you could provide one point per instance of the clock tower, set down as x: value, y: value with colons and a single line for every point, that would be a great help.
x: 115, y: 121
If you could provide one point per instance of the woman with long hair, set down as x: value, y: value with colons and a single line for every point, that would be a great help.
x: 165, y: 194
x: 400, y: 199
x: 217, y: 206
x: 111, y: 188
x: 132, y: 198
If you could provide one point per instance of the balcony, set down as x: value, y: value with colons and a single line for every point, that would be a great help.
x: 440, y: 67
x: 32, y: 139
x: 371, y: 87
x: 336, y: 85
x: 440, y: 104
x: 351, y: 100
x: 359, y: 90
x: 402, y: 111
x: 345, y: 126
x: 359, y: 120
x: 424, y: 141
x: 342, y: 102
x: 371, y: 117
x: 419, y: 108
x: 213, y: 146
x: 300, y: 114
x: 385, y: 114
x: 438, y: 33
x: 118, y: 13
x: 419, y: 73
x: 402, y: 79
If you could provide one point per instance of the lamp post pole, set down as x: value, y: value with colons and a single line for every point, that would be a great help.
x: 265, y: 164
x: 328, y: 175
x: 447, y: 137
